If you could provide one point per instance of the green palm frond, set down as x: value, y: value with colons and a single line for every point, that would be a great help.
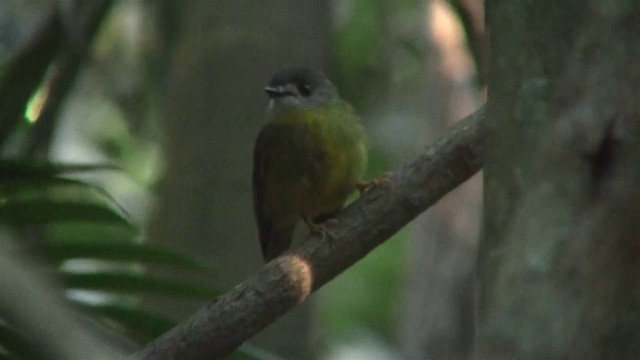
x: 81, y: 223
x: 127, y: 283
x: 53, y: 200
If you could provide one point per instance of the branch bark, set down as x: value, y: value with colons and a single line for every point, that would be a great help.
x: 219, y: 327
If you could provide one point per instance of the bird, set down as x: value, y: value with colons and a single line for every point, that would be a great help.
x: 309, y: 156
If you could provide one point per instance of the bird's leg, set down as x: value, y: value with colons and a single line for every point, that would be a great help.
x: 320, y: 227
x: 364, y: 186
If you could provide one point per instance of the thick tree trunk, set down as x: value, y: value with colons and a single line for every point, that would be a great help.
x: 559, y: 262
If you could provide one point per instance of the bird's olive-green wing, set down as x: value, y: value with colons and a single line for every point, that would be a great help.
x: 290, y: 151
x: 261, y: 156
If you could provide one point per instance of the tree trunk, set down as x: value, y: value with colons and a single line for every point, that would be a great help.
x: 215, y: 105
x: 559, y: 262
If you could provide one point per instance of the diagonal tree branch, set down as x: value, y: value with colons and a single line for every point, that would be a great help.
x: 220, y: 327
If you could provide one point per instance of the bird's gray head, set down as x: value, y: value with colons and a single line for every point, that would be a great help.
x: 296, y: 87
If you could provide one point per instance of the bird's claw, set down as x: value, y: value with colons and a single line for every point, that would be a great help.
x: 322, y: 229
x: 364, y: 186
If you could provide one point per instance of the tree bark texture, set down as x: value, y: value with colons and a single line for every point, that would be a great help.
x: 559, y: 262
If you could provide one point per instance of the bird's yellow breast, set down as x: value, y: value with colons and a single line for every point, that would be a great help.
x: 326, y: 160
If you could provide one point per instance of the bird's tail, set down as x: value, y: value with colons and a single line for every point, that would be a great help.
x: 274, y: 241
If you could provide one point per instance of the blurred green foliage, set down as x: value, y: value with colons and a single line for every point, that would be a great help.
x: 358, y: 49
x: 96, y: 248
x: 72, y: 226
x: 90, y: 242
x: 364, y: 301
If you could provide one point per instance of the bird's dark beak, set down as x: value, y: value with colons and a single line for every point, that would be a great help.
x: 275, y: 92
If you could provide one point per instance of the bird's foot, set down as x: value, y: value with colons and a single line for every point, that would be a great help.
x: 322, y: 229
x: 364, y: 186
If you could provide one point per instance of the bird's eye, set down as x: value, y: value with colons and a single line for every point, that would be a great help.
x: 305, y: 90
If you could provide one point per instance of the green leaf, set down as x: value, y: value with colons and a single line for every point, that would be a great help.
x: 25, y: 71
x: 133, y: 283
x: 56, y: 200
x: 137, y: 321
x: 90, y: 233
x: 60, y: 251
